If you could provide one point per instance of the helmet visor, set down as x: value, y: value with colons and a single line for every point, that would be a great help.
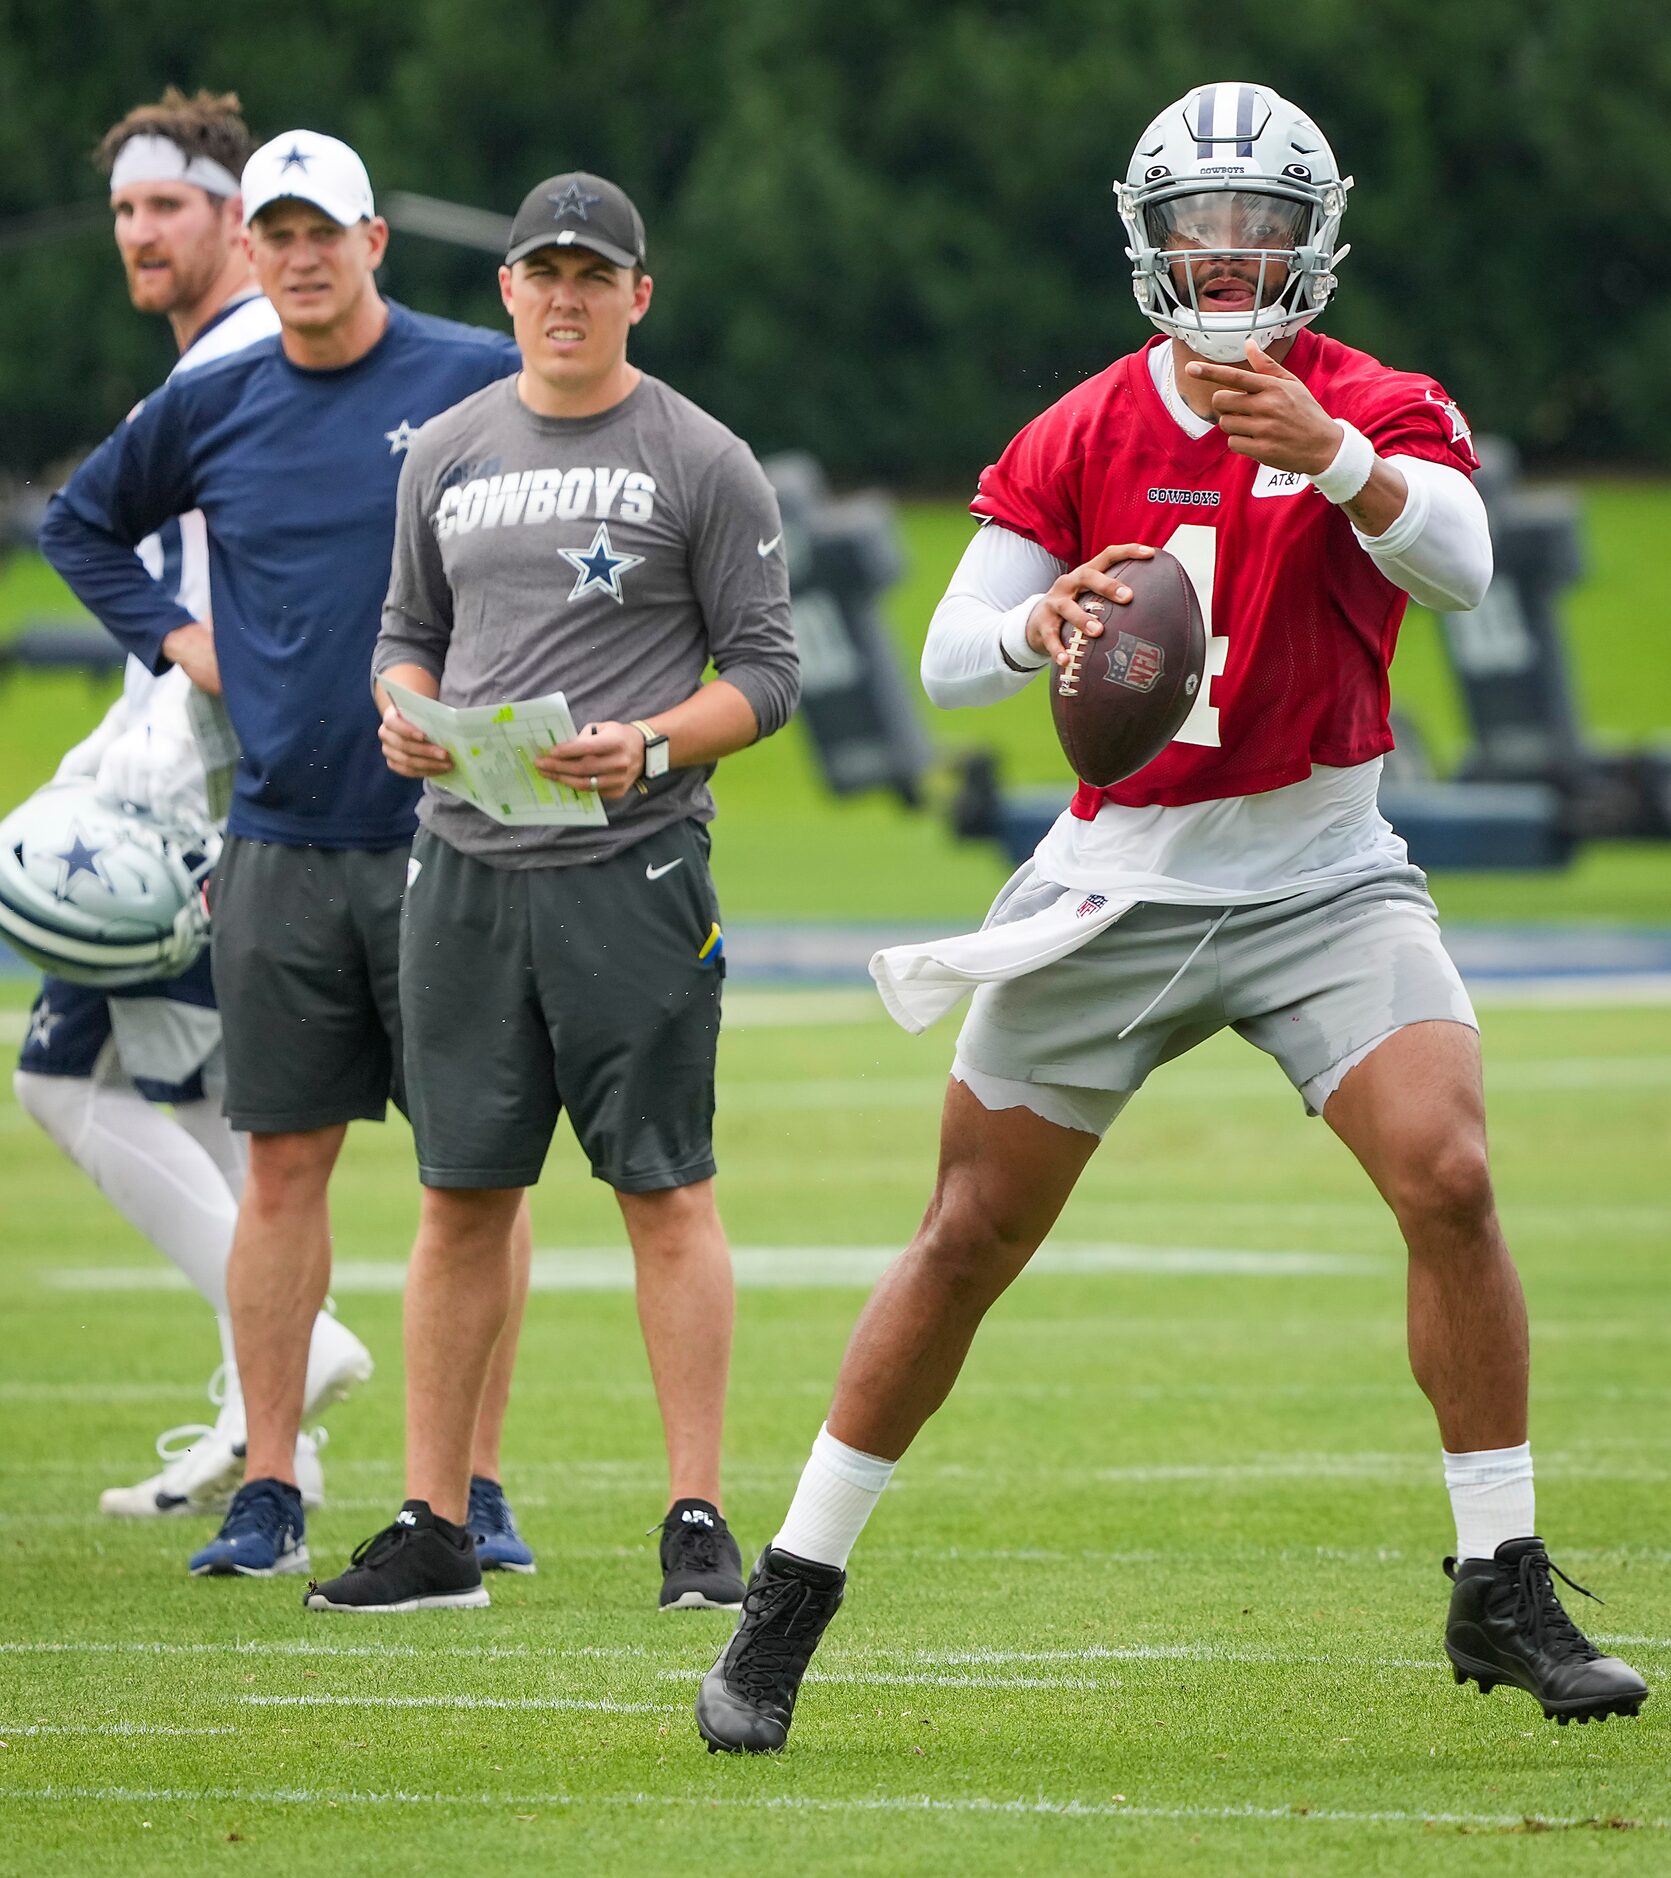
x: 1227, y: 251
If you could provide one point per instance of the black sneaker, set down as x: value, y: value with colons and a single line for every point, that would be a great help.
x: 420, y: 1563
x: 1506, y: 1625
x: 701, y: 1567
x: 747, y: 1699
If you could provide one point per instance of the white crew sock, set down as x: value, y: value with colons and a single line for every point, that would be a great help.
x: 1492, y: 1498
x: 839, y: 1486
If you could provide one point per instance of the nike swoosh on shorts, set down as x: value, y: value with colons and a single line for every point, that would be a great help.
x: 667, y: 867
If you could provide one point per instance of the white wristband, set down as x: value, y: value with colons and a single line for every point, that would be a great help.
x: 1017, y: 654
x: 1350, y: 469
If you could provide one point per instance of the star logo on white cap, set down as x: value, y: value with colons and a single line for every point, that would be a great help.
x: 296, y: 158
x: 572, y: 201
x: 400, y: 437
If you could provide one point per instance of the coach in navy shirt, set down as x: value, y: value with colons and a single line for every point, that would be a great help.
x: 292, y: 450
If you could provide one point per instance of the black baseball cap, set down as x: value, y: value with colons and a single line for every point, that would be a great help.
x: 578, y: 210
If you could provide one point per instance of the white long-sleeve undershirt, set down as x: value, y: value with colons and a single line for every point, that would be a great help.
x: 1438, y: 550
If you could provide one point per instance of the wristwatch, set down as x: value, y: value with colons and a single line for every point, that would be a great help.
x: 655, y: 753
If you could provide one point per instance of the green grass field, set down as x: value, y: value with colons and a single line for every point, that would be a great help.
x: 1158, y: 1591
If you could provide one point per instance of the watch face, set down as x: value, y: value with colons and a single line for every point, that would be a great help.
x: 655, y: 758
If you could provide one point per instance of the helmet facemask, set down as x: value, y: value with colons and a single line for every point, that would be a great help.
x: 1216, y: 267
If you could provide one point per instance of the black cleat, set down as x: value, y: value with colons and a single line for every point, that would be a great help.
x: 747, y: 1700
x: 420, y: 1563
x: 1506, y: 1625
x: 701, y: 1568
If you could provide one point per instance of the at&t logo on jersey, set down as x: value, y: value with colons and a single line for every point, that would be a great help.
x: 1279, y: 482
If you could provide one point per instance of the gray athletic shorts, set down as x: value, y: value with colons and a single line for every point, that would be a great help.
x: 1317, y: 981
x: 306, y: 950
x: 592, y: 988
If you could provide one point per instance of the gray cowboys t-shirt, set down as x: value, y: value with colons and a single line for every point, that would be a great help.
x: 610, y: 558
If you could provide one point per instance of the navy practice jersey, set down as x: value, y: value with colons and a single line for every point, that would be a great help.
x: 295, y: 472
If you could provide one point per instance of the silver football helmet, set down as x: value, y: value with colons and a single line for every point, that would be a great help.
x: 100, y: 892
x: 1232, y: 205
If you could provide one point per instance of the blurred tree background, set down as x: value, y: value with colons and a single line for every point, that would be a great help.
x: 885, y: 233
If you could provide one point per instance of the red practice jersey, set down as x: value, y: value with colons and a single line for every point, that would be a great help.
x: 1301, y: 621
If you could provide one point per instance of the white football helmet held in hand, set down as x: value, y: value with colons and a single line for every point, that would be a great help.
x: 101, y: 893
x: 1232, y: 205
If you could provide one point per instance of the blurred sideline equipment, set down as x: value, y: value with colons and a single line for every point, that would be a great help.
x: 843, y: 555
x: 103, y: 893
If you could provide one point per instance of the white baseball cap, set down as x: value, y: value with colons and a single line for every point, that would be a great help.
x: 306, y: 166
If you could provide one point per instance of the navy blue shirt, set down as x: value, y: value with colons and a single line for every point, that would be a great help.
x: 295, y: 472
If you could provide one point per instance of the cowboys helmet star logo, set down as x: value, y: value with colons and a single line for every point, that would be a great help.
x: 572, y: 201
x: 600, y: 566
x: 78, y: 858
x: 296, y: 158
x: 400, y: 438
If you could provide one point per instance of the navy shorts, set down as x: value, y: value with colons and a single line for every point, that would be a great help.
x: 70, y: 1025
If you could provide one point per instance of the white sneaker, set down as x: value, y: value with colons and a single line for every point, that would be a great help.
x: 204, y: 1467
x: 337, y: 1362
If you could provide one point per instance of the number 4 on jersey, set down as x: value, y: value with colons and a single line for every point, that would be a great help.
x: 1195, y: 548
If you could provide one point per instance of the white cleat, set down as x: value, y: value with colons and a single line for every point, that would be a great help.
x: 204, y: 1467
x: 337, y: 1363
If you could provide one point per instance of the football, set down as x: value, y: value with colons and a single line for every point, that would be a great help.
x: 1123, y: 696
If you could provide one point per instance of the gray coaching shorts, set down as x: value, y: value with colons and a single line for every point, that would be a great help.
x: 306, y: 950
x: 1316, y: 981
x: 527, y: 991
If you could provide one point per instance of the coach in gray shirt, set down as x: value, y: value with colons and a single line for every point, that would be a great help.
x: 581, y: 528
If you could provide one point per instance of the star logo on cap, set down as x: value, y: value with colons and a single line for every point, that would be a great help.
x: 400, y: 437
x: 295, y: 158
x: 572, y: 201
x: 600, y: 566
x: 78, y: 858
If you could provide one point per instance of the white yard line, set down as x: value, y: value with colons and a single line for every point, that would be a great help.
x: 1028, y: 1806
x: 608, y: 1268
x: 601, y: 1704
x: 104, y: 1728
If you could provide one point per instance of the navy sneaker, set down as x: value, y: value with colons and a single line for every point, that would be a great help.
x: 262, y: 1536
x: 701, y: 1568
x: 499, y: 1546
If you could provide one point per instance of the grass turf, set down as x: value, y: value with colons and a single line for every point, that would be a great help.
x: 1158, y: 1590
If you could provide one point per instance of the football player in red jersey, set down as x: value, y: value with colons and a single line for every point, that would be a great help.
x: 1244, y: 878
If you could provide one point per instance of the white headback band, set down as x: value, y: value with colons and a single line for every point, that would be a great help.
x: 148, y: 158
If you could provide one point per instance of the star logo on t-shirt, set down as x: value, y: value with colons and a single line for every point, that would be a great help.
x: 78, y: 858
x: 295, y: 158
x: 600, y: 566
x: 572, y: 201
x: 400, y: 437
